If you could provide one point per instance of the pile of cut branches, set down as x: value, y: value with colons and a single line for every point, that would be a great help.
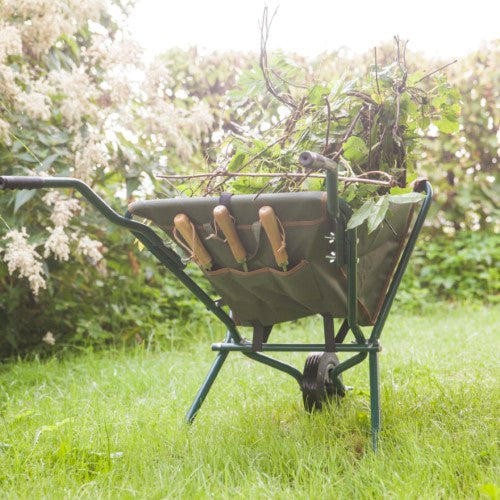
x: 370, y: 126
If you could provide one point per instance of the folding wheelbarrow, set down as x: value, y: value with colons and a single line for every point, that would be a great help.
x: 329, y: 270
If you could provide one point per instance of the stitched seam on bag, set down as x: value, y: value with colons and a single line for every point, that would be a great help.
x: 298, y: 223
x: 229, y: 270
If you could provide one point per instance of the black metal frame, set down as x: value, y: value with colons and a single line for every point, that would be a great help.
x: 346, y: 246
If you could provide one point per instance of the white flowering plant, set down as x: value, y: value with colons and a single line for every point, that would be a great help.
x: 73, y: 102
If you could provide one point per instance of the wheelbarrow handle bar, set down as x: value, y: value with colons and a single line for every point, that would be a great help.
x: 28, y: 182
x: 21, y: 182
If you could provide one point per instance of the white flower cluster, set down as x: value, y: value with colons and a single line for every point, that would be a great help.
x: 172, y: 126
x: 63, y: 208
x: 57, y: 243
x: 4, y: 133
x: 32, y: 27
x: 8, y: 86
x: 78, y: 93
x: 89, y: 154
x: 35, y: 105
x: 178, y: 128
x: 10, y: 41
x: 124, y: 52
x: 49, y: 338
x: 122, y: 59
x: 42, y: 22
x: 90, y: 249
x: 22, y: 257
x: 158, y: 79
x: 200, y: 120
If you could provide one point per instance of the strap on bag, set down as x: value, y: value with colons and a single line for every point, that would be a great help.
x: 225, y: 199
x: 212, y: 230
x: 329, y: 331
x: 260, y: 335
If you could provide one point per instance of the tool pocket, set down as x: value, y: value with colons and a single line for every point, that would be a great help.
x: 267, y: 295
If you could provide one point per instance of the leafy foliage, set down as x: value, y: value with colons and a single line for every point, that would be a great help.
x: 65, y: 110
x: 370, y: 125
x: 464, y: 167
x: 463, y: 267
x: 83, y: 308
x: 68, y: 108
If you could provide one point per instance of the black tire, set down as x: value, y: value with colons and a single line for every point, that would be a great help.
x: 317, y: 385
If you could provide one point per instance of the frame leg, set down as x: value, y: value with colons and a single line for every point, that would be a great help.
x: 207, y: 384
x: 374, y: 397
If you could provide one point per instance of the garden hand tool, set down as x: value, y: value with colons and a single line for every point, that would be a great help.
x: 269, y: 222
x: 226, y: 223
x: 199, y: 253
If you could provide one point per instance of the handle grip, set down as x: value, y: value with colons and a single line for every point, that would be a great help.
x: 315, y: 161
x: 184, y: 225
x: 152, y: 241
x: 225, y: 222
x: 269, y: 222
x: 21, y: 182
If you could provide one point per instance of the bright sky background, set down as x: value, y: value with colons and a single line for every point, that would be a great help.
x: 435, y: 27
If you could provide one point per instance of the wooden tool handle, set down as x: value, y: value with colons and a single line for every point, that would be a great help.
x: 269, y: 222
x: 200, y: 255
x: 225, y: 222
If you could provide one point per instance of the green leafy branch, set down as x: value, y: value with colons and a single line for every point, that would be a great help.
x: 372, y: 126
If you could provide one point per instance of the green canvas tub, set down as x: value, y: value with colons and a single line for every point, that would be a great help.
x: 313, y: 283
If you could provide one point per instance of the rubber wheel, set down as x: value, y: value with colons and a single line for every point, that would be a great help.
x: 317, y: 385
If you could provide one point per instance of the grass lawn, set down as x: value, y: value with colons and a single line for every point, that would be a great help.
x: 111, y: 424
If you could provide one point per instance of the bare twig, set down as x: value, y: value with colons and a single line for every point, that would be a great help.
x: 267, y: 148
x: 436, y: 70
x: 213, y: 176
x: 361, y: 95
x: 262, y: 189
x: 369, y: 136
x: 395, y: 127
x: 347, y: 134
x: 377, y: 172
x: 396, y: 39
x: 287, y: 175
x: 399, y: 88
x: 265, y: 27
x: 376, y: 71
x: 401, y: 60
x: 294, y: 118
x: 171, y: 184
x: 328, y: 122
x: 288, y: 82
x: 253, y: 158
x: 404, y: 68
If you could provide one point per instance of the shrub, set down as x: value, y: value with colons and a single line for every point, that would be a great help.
x: 465, y: 266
